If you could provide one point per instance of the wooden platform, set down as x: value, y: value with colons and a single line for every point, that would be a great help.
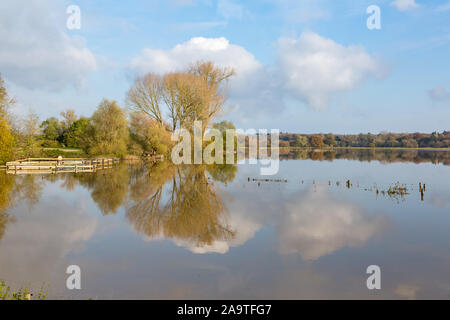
x: 59, y: 165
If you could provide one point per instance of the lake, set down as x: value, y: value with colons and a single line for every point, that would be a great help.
x: 225, y: 232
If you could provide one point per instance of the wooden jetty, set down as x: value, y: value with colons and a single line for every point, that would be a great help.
x: 58, y: 165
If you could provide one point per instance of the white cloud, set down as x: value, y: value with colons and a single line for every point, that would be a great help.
x: 314, y: 68
x: 315, y: 225
x: 218, y: 50
x: 244, y: 226
x: 250, y: 76
x: 404, y: 5
x: 36, y: 51
x: 439, y: 94
x: 36, y: 247
x: 310, y: 68
x: 311, y: 225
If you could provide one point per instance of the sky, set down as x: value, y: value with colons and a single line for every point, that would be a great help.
x: 308, y: 66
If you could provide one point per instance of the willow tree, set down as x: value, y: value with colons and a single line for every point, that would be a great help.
x: 146, y: 135
x: 108, y: 130
x: 6, y: 141
x: 180, y: 98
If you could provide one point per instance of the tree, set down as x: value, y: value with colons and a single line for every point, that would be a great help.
x: 409, y: 143
x: 223, y: 126
x: 194, y: 94
x: 214, y: 77
x: 329, y: 140
x: 52, y: 130
x: 145, y: 96
x: 6, y: 141
x: 5, y: 100
x: 109, y: 130
x: 391, y: 141
x: 77, y: 135
x: 187, y: 97
x: 316, y: 141
x: 69, y: 117
x: 28, y: 135
x: 149, y: 135
x: 301, y: 141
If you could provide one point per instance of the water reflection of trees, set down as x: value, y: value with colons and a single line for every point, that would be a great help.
x: 17, y: 189
x: 165, y: 200
x: 382, y: 155
x: 14, y: 190
x: 222, y: 172
x: 28, y: 188
x: 180, y: 202
x: 109, y: 188
x: 6, y: 186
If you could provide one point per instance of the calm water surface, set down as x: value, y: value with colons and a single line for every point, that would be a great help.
x: 154, y: 232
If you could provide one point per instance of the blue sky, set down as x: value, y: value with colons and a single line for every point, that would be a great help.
x: 302, y: 66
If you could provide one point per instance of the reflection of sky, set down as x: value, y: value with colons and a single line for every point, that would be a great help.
x: 293, y: 240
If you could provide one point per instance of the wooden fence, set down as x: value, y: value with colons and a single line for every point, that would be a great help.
x: 59, y: 165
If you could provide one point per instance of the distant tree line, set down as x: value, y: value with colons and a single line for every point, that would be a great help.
x: 368, y: 154
x: 381, y: 140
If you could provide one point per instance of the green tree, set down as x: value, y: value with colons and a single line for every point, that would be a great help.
x: 52, y: 131
x: 148, y: 136
x: 109, y: 130
x: 77, y: 135
x: 6, y: 141
x: 223, y: 126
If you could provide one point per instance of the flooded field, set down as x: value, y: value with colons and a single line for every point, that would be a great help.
x: 167, y: 232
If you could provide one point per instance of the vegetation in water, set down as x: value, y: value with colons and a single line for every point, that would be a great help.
x: 22, y: 293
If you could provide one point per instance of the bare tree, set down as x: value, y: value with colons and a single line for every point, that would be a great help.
x: 30, y: 129
x: 5, y: 102
x: 195, y: 94
x: 31, y: 124
x: 69, y: 117
x: 145, y: 96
